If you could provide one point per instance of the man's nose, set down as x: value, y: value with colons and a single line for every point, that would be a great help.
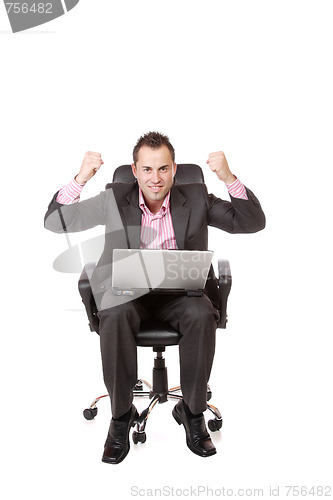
x: 155, y: 177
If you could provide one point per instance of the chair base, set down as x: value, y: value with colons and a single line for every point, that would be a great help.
x: 139, y: 435
x: 157, y: 393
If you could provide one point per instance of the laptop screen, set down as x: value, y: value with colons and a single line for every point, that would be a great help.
x: 169, y: 270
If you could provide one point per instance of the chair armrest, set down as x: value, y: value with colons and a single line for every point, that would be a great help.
x: 88, y: 297
x: 224, y: 285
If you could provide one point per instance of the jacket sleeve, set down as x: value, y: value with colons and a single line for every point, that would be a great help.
x: 237, y: 215
x: 78, y: 216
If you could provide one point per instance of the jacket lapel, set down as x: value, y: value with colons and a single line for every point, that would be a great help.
x: 132, y: 214
x: 179, y: 214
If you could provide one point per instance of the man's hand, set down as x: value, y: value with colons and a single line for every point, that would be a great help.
x: 218, y: 164
x: 91, y: 163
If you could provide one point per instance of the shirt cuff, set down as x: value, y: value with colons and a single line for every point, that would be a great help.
x: 237, y: 190
x: 70, y: 193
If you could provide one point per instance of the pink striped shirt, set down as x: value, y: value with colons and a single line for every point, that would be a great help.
x: 156, y: 229
x: 237, y: 190
x: 70, y: 193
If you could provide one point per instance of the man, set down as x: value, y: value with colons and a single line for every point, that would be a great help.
x: 153, y: 212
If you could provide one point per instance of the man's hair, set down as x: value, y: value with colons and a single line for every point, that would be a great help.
x: 153, y: 140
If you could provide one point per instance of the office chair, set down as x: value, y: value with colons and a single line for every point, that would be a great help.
x: 154, y: 333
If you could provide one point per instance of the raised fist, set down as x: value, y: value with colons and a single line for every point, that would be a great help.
x: 218, y: 164
x: 91, y: 163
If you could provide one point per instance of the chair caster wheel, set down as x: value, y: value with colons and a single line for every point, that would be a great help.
x: 215, y: 425
x: 139, y: 437
x: 138, y: 386
x: 90, y: 413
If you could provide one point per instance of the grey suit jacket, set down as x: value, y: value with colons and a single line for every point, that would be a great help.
x: 192, y: 211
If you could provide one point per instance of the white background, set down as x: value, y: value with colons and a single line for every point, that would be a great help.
x: 251, y: 78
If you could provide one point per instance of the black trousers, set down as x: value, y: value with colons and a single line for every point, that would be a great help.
x: 120, y: 317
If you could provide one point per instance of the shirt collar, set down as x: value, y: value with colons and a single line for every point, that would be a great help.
x: 163, y: 209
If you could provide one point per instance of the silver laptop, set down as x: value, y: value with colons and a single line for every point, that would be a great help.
x: 137, y: 271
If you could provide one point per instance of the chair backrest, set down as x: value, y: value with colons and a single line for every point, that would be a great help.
x: 187, y: 173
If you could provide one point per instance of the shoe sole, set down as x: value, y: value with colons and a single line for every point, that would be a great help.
x: 115, y: 462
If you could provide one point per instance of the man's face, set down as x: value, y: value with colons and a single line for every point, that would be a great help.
x: 154, y: 171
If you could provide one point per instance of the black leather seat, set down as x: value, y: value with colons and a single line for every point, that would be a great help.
x: 155, y: 333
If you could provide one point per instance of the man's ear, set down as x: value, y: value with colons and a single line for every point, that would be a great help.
x: 174, y: 169
x: 134, y: 170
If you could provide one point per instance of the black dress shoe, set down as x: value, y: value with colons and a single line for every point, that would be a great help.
x: 197, y: 437
x: 117, y: 444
